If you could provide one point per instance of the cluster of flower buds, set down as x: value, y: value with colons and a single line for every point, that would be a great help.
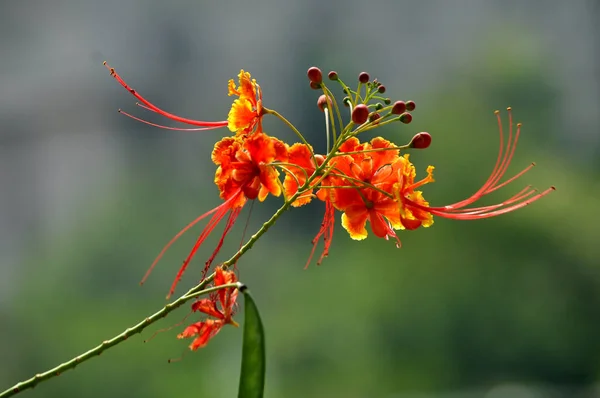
x: 371, y: 182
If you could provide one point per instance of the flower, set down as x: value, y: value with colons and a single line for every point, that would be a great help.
x: 221, y: 305
x: 247, y: 110
x: 364, y: 178
x: 414, y: 205
x: 246, y: 166
x: 144, y: 103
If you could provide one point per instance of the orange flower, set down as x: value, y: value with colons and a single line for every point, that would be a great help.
x: 415, y: 205
x: 245, y: 166
x: 246, y: 111
x: 221, y: 305
x: 300, y: 167
x: 364, y: 179
x: 244, y: 172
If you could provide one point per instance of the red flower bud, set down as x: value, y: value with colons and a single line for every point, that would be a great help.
x: 322, y: 102
x: 360, y: 114
x: 363, y: 77
x: 332, y: 75
x: 314, y: 75
x: 410, y: 106
x: 405, y: 118
x: 399, y: 107
x: 421, y: 141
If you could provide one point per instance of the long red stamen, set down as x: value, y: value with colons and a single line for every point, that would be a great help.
x: 177, y: 236
x: 233, y: 215
x: 460, y: 211
x: 165, y: 127
x: 327, y: 228
x: 156, y: 109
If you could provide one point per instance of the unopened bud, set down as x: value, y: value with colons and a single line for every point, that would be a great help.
x: 387, y: 101
x: 346, y: 101
x: 410, y: 106
x: 399, y: 108
x: 420, y: 141
x: 322, y: 102
x: 381, y: 89
x: 405, y: 118
x: 360, y: 114
x: 363, y: 77
x: 320, y: 159
x: 332, y: 75
x: 314, y: 75
x: 374, y: 116
x: 378, y: 106
x: 315, y: 86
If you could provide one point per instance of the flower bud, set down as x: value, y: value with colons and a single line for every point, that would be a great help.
x: 363, y: 77
x: 374, y: 116
x: 378, y: 106
x: 346, y: 101
x: 314, y: 75
x: 410, y: 106
x: 322, y: 102
x: 381, y: 89
x: 315, y: 86
x: 405, y: 118
x: 420, y: 141
x: 332, y: 75
x: 387, y: 101
x: 399, y: 107
x: 360, y: 114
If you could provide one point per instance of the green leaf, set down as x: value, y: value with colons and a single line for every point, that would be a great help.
x: 252, y: 378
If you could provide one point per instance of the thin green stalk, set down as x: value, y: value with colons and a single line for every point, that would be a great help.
x: 106, y: 344
x: 192, y: 293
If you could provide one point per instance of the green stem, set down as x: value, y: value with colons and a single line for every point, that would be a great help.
x: 106, y: 344
x: 192, y: 293
x: 293, y: 128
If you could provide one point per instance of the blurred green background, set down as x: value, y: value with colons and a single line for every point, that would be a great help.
x: 501, y: 308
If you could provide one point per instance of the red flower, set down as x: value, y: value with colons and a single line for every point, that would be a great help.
x: 247, y: 110
x: 246, y: 166
x: 220, y: 305
x: 364, y: 179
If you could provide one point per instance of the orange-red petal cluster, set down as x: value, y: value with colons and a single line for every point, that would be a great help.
x: 247, y: 166
x: 220, y: 305
x: 246, y: 111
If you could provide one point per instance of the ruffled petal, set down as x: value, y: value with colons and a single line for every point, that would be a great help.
x: 354, y: 221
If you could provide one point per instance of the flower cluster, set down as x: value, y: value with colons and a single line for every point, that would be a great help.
x: 220, y: 307
x: 370, y: 182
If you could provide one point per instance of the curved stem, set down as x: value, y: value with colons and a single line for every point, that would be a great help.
x: 106, y: 344
x: 293, y: 128
x: 192, y: 293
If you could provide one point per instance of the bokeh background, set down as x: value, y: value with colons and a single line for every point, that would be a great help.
x: 500, y: 308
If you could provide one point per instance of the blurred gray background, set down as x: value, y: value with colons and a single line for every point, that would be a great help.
x: 500, y: 308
